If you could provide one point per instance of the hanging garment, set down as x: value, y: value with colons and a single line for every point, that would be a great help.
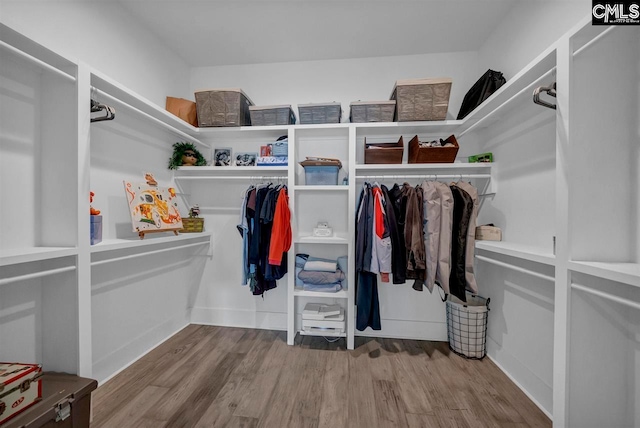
x: 381, y: 249
x: 368, y: 306
x: 413, y: 235
x: 443, y: 272
x: 471, y: 236
x: 243, y: 229
x: 462, y: 210
x: 432, y: 209
x: 398, y: 251
x: 281, y: 231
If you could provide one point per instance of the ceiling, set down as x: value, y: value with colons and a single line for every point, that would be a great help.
x: 213, y: 33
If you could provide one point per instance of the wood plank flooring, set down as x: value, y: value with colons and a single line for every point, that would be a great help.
x: 208, y: 376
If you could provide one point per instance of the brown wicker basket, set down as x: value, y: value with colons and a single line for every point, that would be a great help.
x: 385, y: 153
x: 419, y: 154
x: 192, y: 225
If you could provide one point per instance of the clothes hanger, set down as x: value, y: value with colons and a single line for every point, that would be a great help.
x: 96, y: 107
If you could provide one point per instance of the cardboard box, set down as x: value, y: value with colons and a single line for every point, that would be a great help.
x: 20, y: 388
x: 488, y: 233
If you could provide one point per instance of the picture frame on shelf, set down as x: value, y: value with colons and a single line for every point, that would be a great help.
x: 222, y: 157
x: 245, y: 158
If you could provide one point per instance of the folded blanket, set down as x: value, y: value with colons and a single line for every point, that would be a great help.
x: 315, y: 277
x: 320, y: 265
x: 327, y: 288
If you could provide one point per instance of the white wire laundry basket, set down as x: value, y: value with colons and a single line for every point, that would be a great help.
x: 467, y: 325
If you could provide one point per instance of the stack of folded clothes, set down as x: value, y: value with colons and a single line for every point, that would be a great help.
x: 316, y: 274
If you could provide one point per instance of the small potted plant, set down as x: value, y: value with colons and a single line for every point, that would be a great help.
x: 193, y: 224
x: 96, y: 222
x: 186, y: 154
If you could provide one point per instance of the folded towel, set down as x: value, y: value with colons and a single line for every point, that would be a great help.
x: 326, y: 288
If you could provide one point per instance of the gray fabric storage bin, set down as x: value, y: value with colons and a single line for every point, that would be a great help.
x: 320, y: 113
x: 223, y: 107
x: 272, y: 115
x: 373, y: 111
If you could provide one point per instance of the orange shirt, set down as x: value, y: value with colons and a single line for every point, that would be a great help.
x: 281, y: 231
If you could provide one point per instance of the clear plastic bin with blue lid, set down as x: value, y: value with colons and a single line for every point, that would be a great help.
x: 321, y: 171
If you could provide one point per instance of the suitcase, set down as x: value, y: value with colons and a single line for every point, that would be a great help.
x: 65, y: 403
x: 490, y: 82
x: 19, y: 388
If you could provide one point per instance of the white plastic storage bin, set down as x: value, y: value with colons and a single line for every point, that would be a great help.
x: 467, y: 325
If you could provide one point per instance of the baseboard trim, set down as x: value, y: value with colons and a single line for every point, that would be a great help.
x: 243, y: 318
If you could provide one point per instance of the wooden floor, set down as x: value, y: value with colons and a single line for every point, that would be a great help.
x: 217, y: 376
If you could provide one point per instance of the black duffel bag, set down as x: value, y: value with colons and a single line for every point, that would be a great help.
x: 490, y: 82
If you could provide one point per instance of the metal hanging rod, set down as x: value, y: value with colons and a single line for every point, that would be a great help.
x: 606, y: 296
x: 516, y: 268
x: 37, y: 61
x: 36, y: 274
x: 549, y: 90
x: 147, y: 253
x: 236, y: 177
x: 436, y: 176
x: 148, y: 116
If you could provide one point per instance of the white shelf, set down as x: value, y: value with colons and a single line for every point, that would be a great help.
x: 517, y: 90
x: 520, y: 251
x: 205, y: 172
x: 149, y: 240
x: 336, y: 188
x: 321, y: 333
x: 380, y: 129
x: 114, y: 91
x: 33, y: 254
x: 321, y: 240
x: 626, y: 273
x: 482, y: 167
x: 342, y: 294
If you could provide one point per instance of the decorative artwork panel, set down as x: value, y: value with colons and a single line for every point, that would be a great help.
x: 153, y: 209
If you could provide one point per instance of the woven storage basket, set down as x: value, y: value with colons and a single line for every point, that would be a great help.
x: 467, y: 325
x: 223, y: 107
x: 192, y: 225
x: 320, y: 113
x: 419, y: 154
x: 272, y: 115
x: 375, y: 111
x: 383, y: 153
x: 422, y: 99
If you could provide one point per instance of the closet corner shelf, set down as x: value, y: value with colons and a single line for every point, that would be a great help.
x: 196, y: 172
x: 321, y: 240
x: 24, y: 255
x: 148, y: 241
x: 626, y: 273
x: 428, y: 168
x: 520, y: 251
x: 336, y: 188
x: 342, y: 294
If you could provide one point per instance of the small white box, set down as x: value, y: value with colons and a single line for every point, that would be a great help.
x: 336, y: 322
x: 318, y: 311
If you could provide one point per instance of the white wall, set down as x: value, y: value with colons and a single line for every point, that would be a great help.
x: 528, y: 29
x: 104, y: 36
x: 345, y: 81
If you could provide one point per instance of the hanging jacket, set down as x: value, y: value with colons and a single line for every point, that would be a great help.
x: 398, y: 251
x: 243, y: 229
x: 432, y: 209
x: 471, y: 236
x: 381, y: 248
x: 413, y: 236
x: 462, y: 210
x: 443, y: 272
x: 281, y: 231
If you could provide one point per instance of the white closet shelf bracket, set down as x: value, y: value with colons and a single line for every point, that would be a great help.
x: 147, y: 253
x: 148, y: 116
x: 516, y: 268
x: 36, y: 61
x: 36, y: 274
x: 606, y: 296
